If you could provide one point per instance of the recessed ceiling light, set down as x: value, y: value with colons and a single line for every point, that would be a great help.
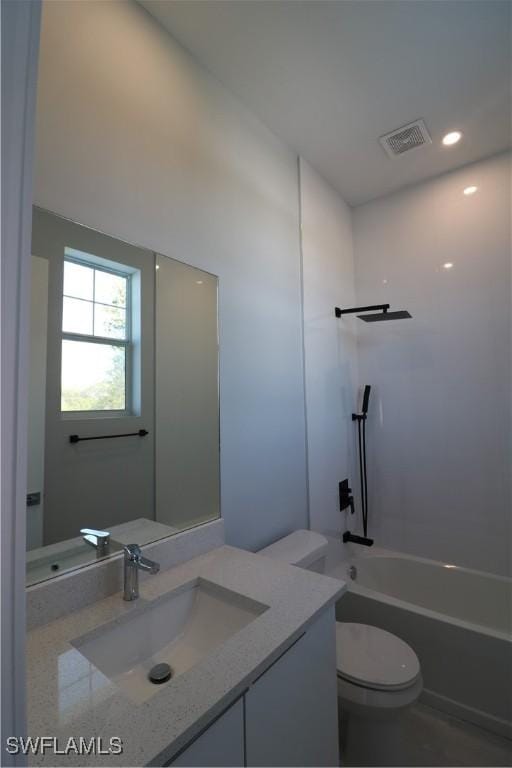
x: 452, y: 138
x: 199, y: 282
x: 448, y: 265
x: 157, y: 266
x: 470, y: 190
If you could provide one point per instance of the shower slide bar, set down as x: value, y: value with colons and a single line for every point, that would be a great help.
x: 361, y: 430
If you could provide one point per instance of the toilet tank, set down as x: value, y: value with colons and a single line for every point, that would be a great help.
x: 305, y: 549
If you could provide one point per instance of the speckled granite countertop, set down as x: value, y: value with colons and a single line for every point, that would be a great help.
x: 69, y: 697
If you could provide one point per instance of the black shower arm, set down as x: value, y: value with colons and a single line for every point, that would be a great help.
x: 339, y: 312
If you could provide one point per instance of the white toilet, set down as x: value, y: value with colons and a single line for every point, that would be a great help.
x: 377, y: 672
x: 379, y: 675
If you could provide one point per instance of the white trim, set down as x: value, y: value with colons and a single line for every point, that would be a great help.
x: 469, y: 714
x: 129, y: 274
x: 303, y: 340
x: 20, y: 48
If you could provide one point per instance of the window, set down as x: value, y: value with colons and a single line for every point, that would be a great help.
x: 96, y: 337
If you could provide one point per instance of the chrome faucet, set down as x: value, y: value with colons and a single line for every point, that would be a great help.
x: 100, y: 540
x: 133, y: 563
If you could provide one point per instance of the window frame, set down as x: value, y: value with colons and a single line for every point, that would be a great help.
x: 126, y: 343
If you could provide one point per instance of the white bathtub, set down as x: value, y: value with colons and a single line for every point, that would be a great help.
x: 458, y: 621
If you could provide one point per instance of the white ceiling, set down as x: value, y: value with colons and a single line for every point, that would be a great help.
x: 330, y: 76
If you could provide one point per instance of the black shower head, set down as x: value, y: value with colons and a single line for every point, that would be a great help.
x: 378, y: 316
x: 384, y: 314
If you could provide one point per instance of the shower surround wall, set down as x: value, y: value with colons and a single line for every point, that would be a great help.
x: 439, y: 432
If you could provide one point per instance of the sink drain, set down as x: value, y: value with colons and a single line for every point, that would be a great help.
x: 160, y: 673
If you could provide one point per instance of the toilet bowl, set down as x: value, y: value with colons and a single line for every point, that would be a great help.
x: 378, y: 673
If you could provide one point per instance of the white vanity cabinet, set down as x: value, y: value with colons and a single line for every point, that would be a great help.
x: 291, y: 715
x: 221, y: 744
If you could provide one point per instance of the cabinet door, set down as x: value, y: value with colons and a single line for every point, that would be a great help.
x: 291, y: 711
x: 221, y: 744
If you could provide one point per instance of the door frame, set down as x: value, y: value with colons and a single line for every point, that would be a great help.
x: 21, y: 23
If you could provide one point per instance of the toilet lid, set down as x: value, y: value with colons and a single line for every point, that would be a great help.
x: 370, y: 657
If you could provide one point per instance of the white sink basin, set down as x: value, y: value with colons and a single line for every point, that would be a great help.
x: 179, y: 628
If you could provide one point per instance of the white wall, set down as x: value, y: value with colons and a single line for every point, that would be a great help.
x: 135, y: 139
x: 330, y: 349
x: 187, y: 487
x: 439, y: 421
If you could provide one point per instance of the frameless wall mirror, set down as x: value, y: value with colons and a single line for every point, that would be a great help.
x: 123, y: 397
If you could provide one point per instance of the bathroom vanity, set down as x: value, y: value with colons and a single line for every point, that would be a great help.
x: 251, y: 643
x: 274, y: 722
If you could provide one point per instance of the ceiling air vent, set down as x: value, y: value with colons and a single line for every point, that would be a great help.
x: 405, y: 138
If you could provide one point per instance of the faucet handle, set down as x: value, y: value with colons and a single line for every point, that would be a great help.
x: 148, y: 565
x: 100, y: 540
x: 132, y: 551
x: 133, y: 563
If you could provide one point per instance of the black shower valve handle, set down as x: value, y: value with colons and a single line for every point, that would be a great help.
x: 350, y: 500
x: 345, y: 496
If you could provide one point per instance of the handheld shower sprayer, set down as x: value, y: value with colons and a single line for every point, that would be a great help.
x: 366, y: 398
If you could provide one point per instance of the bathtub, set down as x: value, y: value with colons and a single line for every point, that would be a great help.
x: 459, y: 622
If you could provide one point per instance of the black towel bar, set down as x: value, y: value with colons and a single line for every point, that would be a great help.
x: 77, y: 439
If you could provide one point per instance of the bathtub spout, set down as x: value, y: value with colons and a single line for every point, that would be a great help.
x: 347, y: 536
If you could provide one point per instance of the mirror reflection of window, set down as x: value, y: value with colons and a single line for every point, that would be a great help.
x: 96, y: 338
x: 123, y: 341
